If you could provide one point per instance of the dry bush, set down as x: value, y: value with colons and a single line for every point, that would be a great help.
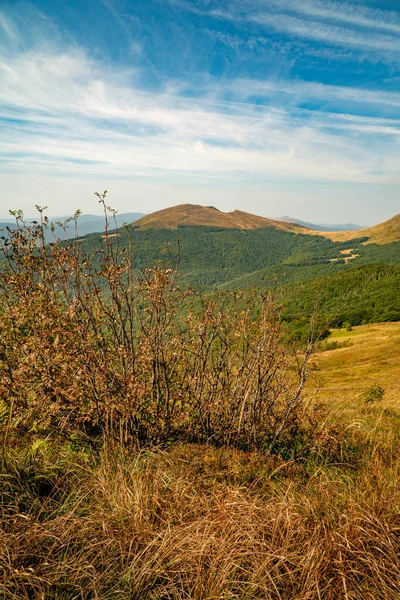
x: 91, y: 346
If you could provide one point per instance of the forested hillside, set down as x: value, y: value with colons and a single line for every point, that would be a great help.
x: 366, y: 294
x: 156, y: 438
x: 232, y: 258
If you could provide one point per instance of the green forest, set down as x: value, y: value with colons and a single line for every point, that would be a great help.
x: 308, y: 270
x: 231, y: 258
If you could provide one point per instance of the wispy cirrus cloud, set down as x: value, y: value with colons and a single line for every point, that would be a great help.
x: 345, y: 12
x: 77, y: 112
x: 350, y: 13
x: 336, y: 23
x: 325, y: 32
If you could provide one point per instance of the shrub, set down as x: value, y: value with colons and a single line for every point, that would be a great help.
x: 335, y: 345
x: 91, y: 346
x: 374, y: 393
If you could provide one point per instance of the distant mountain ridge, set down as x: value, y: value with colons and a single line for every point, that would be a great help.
x: 237, y: 250
x: 86, y: 223
x: 323, y: 226
x: 195, y: 215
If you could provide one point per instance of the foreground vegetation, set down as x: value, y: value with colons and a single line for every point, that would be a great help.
x: 90, y: 346
x: 159, y: 448
x: 205, y: 523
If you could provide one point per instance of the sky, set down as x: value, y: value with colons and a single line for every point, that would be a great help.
x: 276, y: 107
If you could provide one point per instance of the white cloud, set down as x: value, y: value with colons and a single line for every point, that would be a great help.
x: 343, y: 24
x: 350, y: 13
x: 296, y: 91
x: 66, y: 114
x: 78, y: 116
x: 323, y: 32
x: 7, y: 27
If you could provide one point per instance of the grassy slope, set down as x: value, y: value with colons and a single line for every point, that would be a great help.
x: 206, y: 523
x: 320, y: 521
x: 196, y: 215
x: 383, y: 233
x: 208, y: 216
x: 371, y: 358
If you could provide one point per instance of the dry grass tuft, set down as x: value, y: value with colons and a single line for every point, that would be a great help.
x: 201, y: 523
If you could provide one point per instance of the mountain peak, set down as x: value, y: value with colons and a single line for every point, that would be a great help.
x: 195, y: 215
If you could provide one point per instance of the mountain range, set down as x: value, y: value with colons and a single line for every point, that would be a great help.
x: 193, y: 215
x: 86, y: 224
x: 185, y: 214
x: 355, y: 274
x: 239, y: 250
x: 322, y: 226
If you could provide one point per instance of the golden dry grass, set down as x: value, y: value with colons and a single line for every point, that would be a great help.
x: 316, y: 518
x: 199, y: 523
x: 202, y: 523
x: 371, y: 358
x: 196, y: 215
x: 383, y: 233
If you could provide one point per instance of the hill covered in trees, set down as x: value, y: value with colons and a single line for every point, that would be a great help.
x: 365, y: 294
x: 243, y: 250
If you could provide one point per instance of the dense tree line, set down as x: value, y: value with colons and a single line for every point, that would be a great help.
x: 230, y: 258
x: 366, y: 294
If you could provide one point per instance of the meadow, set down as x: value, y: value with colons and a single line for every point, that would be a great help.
x: 352, y: 363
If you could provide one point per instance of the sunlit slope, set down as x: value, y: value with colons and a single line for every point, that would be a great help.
x: 384, y: 233
x: 239, y: 250
x: 207, y: 216
x: 366, y: 357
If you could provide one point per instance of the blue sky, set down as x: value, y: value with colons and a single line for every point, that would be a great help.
x: 272, y: 106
